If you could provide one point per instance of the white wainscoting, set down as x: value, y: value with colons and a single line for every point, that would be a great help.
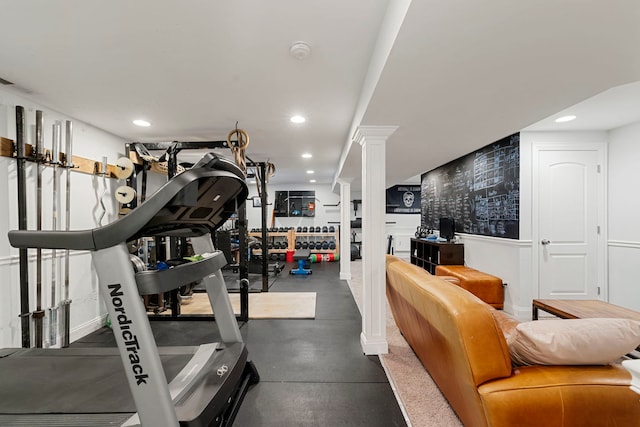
x: 508, y: 259
x: 624, y: 280
x: 87, y: 310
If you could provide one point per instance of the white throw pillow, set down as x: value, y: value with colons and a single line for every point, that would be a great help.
x: 573, y: 341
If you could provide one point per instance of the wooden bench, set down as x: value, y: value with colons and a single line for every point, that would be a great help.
x: 485, y: 286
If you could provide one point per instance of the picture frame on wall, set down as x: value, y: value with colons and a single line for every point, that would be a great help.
x: 403, y: 199
x: 295, y: 204
x: 257, y: 202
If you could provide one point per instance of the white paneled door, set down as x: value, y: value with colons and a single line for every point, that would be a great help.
x: 570, y: 203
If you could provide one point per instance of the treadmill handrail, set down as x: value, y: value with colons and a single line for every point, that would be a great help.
x: 157, y: 281
x: 123, y: 228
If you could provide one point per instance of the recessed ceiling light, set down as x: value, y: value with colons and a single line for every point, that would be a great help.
x: 310, y: 172
x: 140, y: 122
x: 297, y: 119
x: 307, y: 156
x: 565, y: 119
x: 312, y: 180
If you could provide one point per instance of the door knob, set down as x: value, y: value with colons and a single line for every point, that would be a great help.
x: 545, y: 242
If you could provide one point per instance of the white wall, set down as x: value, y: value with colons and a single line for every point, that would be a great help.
x: 87, y: 312
x: 624, y: 207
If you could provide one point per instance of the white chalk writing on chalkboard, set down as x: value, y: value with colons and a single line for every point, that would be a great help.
x: 481, y: 191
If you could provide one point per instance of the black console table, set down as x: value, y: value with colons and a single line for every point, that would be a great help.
x: 429, y: 253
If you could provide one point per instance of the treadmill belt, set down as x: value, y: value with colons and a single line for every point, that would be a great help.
x: 72, y: 381
x: 63, y: 420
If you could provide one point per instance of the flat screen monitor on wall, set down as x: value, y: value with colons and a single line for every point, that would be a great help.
x: 447, y: 228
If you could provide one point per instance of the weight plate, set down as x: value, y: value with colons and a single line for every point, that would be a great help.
x: 125, y: 194
x: 123, y: 169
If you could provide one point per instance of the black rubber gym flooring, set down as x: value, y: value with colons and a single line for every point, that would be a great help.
x: 312, y: 372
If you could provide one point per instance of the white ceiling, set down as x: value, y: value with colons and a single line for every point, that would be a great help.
x: 453, y: 76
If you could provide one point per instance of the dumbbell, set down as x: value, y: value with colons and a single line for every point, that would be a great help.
x: 257, y: 246
x: 332, y: 229
x: 312, y: 245
x: 298, y: 245
x: 332, y: 245
x: 305, y: 245
x: 274, y: 257
x: 325, y: 229
x: 325, y: 245
x: 304, y: 229
x: 318, y: 229
x: 298, y: 230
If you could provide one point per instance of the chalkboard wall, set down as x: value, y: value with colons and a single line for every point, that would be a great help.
x: 481, y: 191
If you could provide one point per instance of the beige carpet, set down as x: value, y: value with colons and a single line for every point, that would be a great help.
x: 419, y: 397
x: 263, y: 305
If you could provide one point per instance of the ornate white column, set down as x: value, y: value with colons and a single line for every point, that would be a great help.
x: 345, y: 229
x: 373, y: 139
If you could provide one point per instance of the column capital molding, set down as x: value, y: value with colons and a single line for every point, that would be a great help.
x: 345, y: 181
x: 368, y: 133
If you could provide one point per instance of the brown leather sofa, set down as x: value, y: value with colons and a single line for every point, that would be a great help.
x: 460, y: 342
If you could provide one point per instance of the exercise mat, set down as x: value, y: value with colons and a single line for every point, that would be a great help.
x: 264, y: 305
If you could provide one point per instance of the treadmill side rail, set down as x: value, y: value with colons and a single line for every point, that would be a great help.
x: 132, y: 331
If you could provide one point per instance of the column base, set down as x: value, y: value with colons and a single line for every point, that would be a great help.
x: 373, y: 346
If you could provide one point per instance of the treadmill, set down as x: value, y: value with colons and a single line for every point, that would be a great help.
x: 127, y: 385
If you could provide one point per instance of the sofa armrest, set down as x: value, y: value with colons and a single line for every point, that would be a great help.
x: 561, y: 396
x: 505, y: 322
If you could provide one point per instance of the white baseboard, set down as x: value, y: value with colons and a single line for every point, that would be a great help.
x: 523, y: 314
x: 87, y: 328
x: 345, y: 276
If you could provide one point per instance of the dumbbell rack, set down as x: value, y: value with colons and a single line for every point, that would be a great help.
x: 294, y: 236
x: 310, y: 237
x: 271, y: 236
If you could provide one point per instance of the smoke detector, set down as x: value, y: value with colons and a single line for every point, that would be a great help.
x: 300, y: 50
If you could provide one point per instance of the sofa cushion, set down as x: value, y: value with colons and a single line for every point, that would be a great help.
x: 573, y: 341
